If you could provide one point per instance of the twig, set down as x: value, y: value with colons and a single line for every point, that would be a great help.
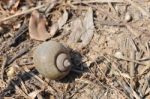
x: 3, y: 66
x: 133, y: 31
x: 131, y: 60
x: 97, y: 1
x: 148, y: 63
x: 19, y: 54
x: 144, y: 59
x: 132, y: 67
x: 77, y: 90
x: 50, y: 6
x: 129, y: 90
x: 20, y: 91
x: 110, y: 23
x: 23, y: 12
x: 145, y: 86
x: 23, y: 86
x: 19, y: 33
x: 50, y: 88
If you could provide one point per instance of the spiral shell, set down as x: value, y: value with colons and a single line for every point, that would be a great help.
x: 52, y: 60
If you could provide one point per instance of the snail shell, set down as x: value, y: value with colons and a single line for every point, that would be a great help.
x: 52, y: 60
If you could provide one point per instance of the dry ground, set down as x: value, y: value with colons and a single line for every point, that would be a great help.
x: 110, y: 61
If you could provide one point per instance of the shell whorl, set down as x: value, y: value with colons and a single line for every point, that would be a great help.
x: 63, y: 62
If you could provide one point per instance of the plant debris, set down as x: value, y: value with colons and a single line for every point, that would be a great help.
x: 109, y: 43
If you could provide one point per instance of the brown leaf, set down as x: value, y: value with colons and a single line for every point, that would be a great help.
x: 42, y: 31
x: 37, y: 29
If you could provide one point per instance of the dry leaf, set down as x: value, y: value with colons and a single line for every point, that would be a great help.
x: 89, y: 28
x: 33, y: 94
x: 37, y: 29
x: 54, y: 29
x: 125, y: 75
x: 62, y: 20
x: 41, y: 28
x: 77, y: 31
x: 33, y: 24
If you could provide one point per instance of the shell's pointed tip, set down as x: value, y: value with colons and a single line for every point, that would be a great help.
x: 67, y: 63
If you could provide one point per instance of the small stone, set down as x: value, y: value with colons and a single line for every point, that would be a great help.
x: 11, y: 72
x: 128, y: 17
x: 118, y: 55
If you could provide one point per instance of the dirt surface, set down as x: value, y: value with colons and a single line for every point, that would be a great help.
x: 108, y: 41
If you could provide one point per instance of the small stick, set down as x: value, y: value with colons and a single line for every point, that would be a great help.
x: 19, y: 33
x: 3, y: 66
x: 131, y: 60
x: 97, y: 1
x: 77, y: 90
x: 148, y: 63
x: 23, y: 86
x: 144, y: 59
x: 50, y: 6
x: 132, y: 67
x: 21, y: 13
x: 20, y: 53
x: 129, y: 90
x: 145, y: 86
x: 18, y: 89
x: 50, y: 88
x: 133, y: 31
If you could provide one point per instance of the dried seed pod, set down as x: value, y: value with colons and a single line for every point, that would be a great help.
x: 52, y: 60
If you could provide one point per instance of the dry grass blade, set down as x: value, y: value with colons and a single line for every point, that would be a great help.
x: 132, y: 67
x: 19, y: 90
x: 129, y: 90
x: 50, y: 6
x: 124, y: 75
x: 3, y: 66
x: 147, y: 67
x: 50, y: 88
x: 133, y: 31
x: 97, y: 1
x: 130, y: 60
x: 21, y: 13
x: 23, y: 86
